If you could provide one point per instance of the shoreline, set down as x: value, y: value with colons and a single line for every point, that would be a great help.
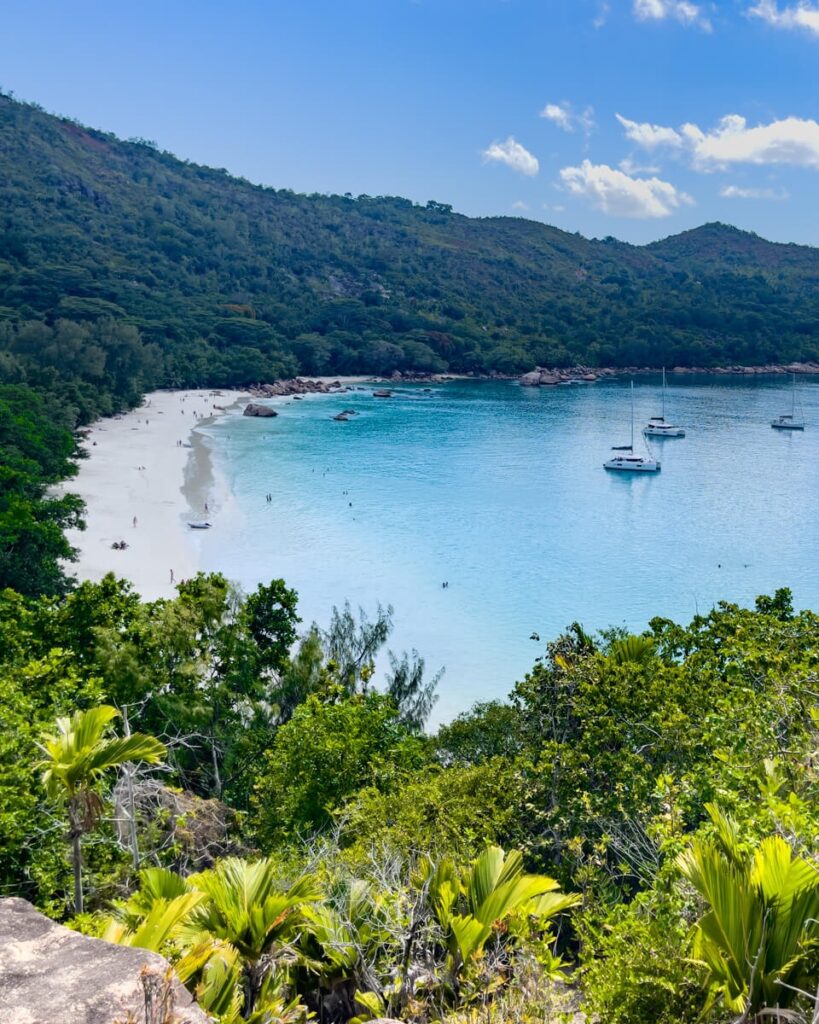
x: 149, y: 472
x: 545, y: 376
x: 146, y: 474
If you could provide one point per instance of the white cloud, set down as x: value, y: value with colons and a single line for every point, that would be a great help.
x: 793, y: 140
x: 513, y: 155
x: 617, y: 193
x: 679, y: 10
x: 565, y: 118
x: 520, y: 205
x: 738, y: 192
x: 558, y: 113
x: 629, y: 166
x: 602, y: 14
x: 650, y: 136
x: 802, y: 15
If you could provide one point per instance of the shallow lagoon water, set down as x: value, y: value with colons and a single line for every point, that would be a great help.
x: 500, y: 491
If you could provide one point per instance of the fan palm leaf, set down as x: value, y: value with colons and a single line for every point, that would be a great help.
x: 759, y: 937
x: 75, y: 758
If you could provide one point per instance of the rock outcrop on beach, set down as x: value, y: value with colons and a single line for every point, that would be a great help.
x: 544, y: 376
x: 264, y: 411
x: 750, y: 371
x: 297, y: 386
x: 52, y: 975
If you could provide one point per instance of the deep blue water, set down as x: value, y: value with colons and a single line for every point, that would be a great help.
x: 500, y: 490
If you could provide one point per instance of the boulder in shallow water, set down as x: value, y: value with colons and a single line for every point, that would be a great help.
x: 51, y: 975
x: 531, y: 380
x: 254, y: 409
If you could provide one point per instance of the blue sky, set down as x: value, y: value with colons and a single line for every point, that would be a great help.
x: 495, y: 106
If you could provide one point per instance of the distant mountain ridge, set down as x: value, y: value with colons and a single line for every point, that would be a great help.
x: 229, y: 282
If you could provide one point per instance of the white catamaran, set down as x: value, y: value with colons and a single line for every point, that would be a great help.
x: 627, y: 460
x: 657, y: 426
x: 789, y: 421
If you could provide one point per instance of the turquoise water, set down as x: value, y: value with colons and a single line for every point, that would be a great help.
x: 500, y: 491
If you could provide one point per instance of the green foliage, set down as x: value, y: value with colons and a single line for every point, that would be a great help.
x: 124, y: 267
x: 76, y: 758
x: 80, y: 753
x: 205, y: 667
x: 412, y: 695
x: 634, y: 649
x: 323, y: 755
x: 351, y: 645
x: 493, y: 890
x: 453, y: 811
x: 488, y: 730
x: 635, y: 968
x: 254, y: 945
x: 759, y: 938
x: 600, y: 771
x: 228, y: 929
x: 608, y: 735
x: 35, y: 452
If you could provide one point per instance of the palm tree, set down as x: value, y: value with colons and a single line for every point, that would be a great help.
x: 470, y: 907
x: 233, y: 925
x: 631, y: 649
x: 153, y: 916
x: 249, y: 916
x: 759, y: 938
x: 76, y: 758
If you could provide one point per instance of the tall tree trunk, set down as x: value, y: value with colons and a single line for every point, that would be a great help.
x: 217, y: 778
x: 76, y: 857
x: 129, y: 783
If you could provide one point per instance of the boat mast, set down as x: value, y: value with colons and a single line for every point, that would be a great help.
x: 632, y: 417
x: 663, y: 415
x: 793, y: 397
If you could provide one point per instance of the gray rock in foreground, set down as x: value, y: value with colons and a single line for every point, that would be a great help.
x: 51, y: 975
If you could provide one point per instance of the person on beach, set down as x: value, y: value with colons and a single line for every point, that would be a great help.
x: 135, y: 521
x: 171, y: 575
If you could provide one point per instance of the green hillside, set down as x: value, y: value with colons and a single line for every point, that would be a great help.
x: 234, y: 282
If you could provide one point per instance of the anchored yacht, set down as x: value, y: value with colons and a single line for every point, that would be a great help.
x: 626, y: 460
x: 790, y: 421
x: 657, y: 425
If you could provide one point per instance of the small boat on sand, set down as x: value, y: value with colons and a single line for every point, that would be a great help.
x: 199, y: 526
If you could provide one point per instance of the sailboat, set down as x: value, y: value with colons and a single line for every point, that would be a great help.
x: 657, y: 426
x: 788, y: 421
x: 627, y: 460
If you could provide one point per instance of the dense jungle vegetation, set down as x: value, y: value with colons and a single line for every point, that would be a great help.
x: 633, y: 834
x: 213, y: 280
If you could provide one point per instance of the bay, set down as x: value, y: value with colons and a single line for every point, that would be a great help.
x: 499, y: 490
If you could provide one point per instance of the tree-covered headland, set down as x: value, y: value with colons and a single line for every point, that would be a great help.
x: 123, y: 267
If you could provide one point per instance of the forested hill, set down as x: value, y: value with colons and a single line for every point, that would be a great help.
x: 236, y: 282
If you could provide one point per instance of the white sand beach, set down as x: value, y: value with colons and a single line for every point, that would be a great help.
x: 146, y: 476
